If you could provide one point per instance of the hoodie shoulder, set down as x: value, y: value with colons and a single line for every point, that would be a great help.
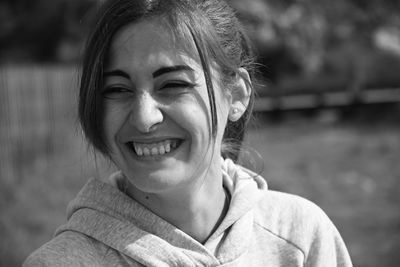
x: 302, y: 224
x: 67, y: 249
x: 282, y: 212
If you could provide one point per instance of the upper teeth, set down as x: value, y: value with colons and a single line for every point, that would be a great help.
x: 154, y: 149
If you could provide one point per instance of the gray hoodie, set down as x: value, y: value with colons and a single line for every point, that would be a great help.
x: 262, y: 228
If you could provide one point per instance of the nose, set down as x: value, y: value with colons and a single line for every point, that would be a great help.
x: 146, y: 113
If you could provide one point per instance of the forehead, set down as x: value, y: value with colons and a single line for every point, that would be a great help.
x: 149, y: 41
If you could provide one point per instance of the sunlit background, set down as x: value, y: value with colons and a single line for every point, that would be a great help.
x: 327, y: 121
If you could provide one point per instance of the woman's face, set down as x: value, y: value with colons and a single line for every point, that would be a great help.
x: 157, y: 114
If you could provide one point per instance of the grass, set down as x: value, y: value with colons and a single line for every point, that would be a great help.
x: 351, y: 170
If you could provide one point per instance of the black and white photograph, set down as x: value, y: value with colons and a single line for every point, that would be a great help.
x: 240, y: 133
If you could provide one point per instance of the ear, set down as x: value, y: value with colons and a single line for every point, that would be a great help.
x: 240, y: 95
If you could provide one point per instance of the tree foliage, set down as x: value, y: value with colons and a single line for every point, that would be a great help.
x: 296, y: 35
x: 297, y: 31
x: 39, y: 30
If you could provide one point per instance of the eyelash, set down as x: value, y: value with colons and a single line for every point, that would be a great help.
x: 109, y: 91
x: 121, y: 92
x: 177, y: 84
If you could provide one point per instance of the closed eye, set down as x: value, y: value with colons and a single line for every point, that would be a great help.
x: 177, y: 84
x: 116, y: 92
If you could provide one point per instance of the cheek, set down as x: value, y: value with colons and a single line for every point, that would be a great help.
x: 193, y: 116
x: 114, y: 117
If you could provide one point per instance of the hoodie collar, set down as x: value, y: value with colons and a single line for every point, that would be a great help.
x: 246, y: 189
x: 102, y: 211
x: 106, y: 214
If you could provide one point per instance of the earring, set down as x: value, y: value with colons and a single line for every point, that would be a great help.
x: 234, y: 115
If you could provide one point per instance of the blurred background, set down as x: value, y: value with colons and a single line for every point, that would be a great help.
x: 327, y: 120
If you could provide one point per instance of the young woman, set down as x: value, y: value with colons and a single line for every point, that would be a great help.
x: 166, y: 94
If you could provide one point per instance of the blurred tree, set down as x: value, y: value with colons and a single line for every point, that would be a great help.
x: 291, y: 36
x: 298, y: 37
x: 34, y: 30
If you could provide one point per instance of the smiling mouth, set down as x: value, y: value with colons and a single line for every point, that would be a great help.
x: 154, y: 149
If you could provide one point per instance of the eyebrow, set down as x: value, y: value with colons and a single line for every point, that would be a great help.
x: 159, y: 72
x: 116, y: 73
x: 164, y: 70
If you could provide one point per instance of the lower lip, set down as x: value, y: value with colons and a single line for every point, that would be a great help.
x: 157, y: 157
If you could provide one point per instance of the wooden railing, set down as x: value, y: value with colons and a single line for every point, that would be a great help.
x: 37, y: 108
x: 323, y: 93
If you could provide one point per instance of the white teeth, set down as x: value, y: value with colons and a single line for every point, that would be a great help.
x: 154, y: 151
x: 146, y: 151
x: 139, y: 151
x: 167, y: 147
x: 160, y: 148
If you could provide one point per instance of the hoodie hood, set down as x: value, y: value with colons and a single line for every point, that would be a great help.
x: 103, y: 212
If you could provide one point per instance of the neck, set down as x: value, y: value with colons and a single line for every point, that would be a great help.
x: 197, y: 210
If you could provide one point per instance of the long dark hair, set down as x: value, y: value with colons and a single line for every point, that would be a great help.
x: 218, y: 37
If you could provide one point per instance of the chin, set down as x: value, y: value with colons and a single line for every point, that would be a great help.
x: 157, y: 181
